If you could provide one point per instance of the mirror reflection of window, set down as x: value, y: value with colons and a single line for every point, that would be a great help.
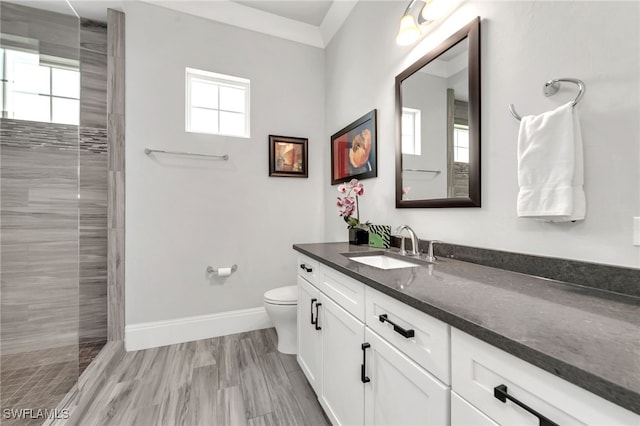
x: 411, y: 129
x: 36, y: 92
x: 460, y: 143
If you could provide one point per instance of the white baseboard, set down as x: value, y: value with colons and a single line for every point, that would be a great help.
x: 161, y: 333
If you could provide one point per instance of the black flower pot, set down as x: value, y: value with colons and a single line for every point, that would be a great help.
x: 358, y: 236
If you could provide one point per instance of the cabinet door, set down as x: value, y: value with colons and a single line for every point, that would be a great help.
x: 309, y: 339
x: 400, y: 391
x: 342, y: 395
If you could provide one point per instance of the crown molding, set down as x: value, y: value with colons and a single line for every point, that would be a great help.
x: 335, y: 18
x: 239, y: 15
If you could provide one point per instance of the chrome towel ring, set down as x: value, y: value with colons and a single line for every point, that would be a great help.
x: 551, y: 87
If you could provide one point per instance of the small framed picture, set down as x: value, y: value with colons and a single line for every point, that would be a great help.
x: 354, y: 150
x: 288, y: 157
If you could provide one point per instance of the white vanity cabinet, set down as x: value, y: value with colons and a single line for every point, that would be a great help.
x: 362, y: 377
x: 374, y: 360
x: 366, y: 380
x: 479, y: 368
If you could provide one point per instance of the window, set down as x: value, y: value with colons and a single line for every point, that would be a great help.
x: 31, y: 91
x: 460, y: 143
x: 411, y: 140
x: 217, y: 104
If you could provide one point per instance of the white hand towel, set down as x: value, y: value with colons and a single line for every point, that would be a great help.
x: 550, y: 166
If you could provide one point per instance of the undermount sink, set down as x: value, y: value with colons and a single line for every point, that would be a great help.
x: 383, y: 262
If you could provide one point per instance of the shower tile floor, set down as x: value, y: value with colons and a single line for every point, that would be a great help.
x: 88, y: 352
x: 41, y: 379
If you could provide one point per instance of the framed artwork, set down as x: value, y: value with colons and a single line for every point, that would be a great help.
x: 288, y: 157
x: 354, y: 150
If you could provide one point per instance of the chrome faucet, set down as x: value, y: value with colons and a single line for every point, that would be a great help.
x: 415, y: 251
x: 430, y: 256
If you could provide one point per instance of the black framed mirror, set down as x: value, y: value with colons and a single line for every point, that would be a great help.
x: 438, y: 125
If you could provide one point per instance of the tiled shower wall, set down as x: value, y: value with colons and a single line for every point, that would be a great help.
x: 54, y: 246
x: 53, y: 237
x: 39, y: 235
x: 93, y: 181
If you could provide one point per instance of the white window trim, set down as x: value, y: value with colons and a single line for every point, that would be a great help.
x: 456, y: 146
x: 221, y: 80
x: 417, y: 125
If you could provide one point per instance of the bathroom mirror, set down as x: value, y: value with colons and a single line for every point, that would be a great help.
x: 438, y: 125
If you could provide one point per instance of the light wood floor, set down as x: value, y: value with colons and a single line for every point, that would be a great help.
x: 232, y: 380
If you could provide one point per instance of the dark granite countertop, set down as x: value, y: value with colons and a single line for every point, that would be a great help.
x: 586, y: 336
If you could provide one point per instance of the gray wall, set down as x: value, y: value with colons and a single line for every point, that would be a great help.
x: 185, y: 213
x: 524, y: 44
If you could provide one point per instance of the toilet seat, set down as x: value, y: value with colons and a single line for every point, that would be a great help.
x: 282, y: 296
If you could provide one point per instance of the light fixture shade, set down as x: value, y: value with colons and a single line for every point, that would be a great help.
x: 409, y: 31
x: 434, y: 10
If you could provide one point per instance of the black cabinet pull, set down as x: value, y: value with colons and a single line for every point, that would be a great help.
x: 500, y: 392
x: 305, y: 267
x: 406, y: 333
x: 363, y: 367
x: 316, y: 323
x: 314, y: 300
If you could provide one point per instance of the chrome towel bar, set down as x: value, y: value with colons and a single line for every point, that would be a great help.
x: 162, y: 151
x: 422, y: 171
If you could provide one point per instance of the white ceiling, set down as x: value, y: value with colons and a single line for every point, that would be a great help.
x: 310, y: 11
x: 312, y: 22
x: 295, y: 20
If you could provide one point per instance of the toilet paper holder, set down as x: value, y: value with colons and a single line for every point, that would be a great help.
x: 216, y: 271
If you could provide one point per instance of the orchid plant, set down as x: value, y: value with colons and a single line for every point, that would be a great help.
x: 348, y: 204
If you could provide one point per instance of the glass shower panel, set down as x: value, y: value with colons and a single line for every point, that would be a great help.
x: 39, y: 211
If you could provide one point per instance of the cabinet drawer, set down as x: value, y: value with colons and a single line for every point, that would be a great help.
x: 344, y: 290
x: 308, y: 269
x: 477, y: 368
x: 429, y: 346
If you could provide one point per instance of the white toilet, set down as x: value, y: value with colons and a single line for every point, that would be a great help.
x: 281, y: 305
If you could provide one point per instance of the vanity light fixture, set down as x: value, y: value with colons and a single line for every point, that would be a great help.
x: 419, y: 13
x: 409, y: 31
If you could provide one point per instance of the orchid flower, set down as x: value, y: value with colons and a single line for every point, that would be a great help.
x: 348, y: 205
